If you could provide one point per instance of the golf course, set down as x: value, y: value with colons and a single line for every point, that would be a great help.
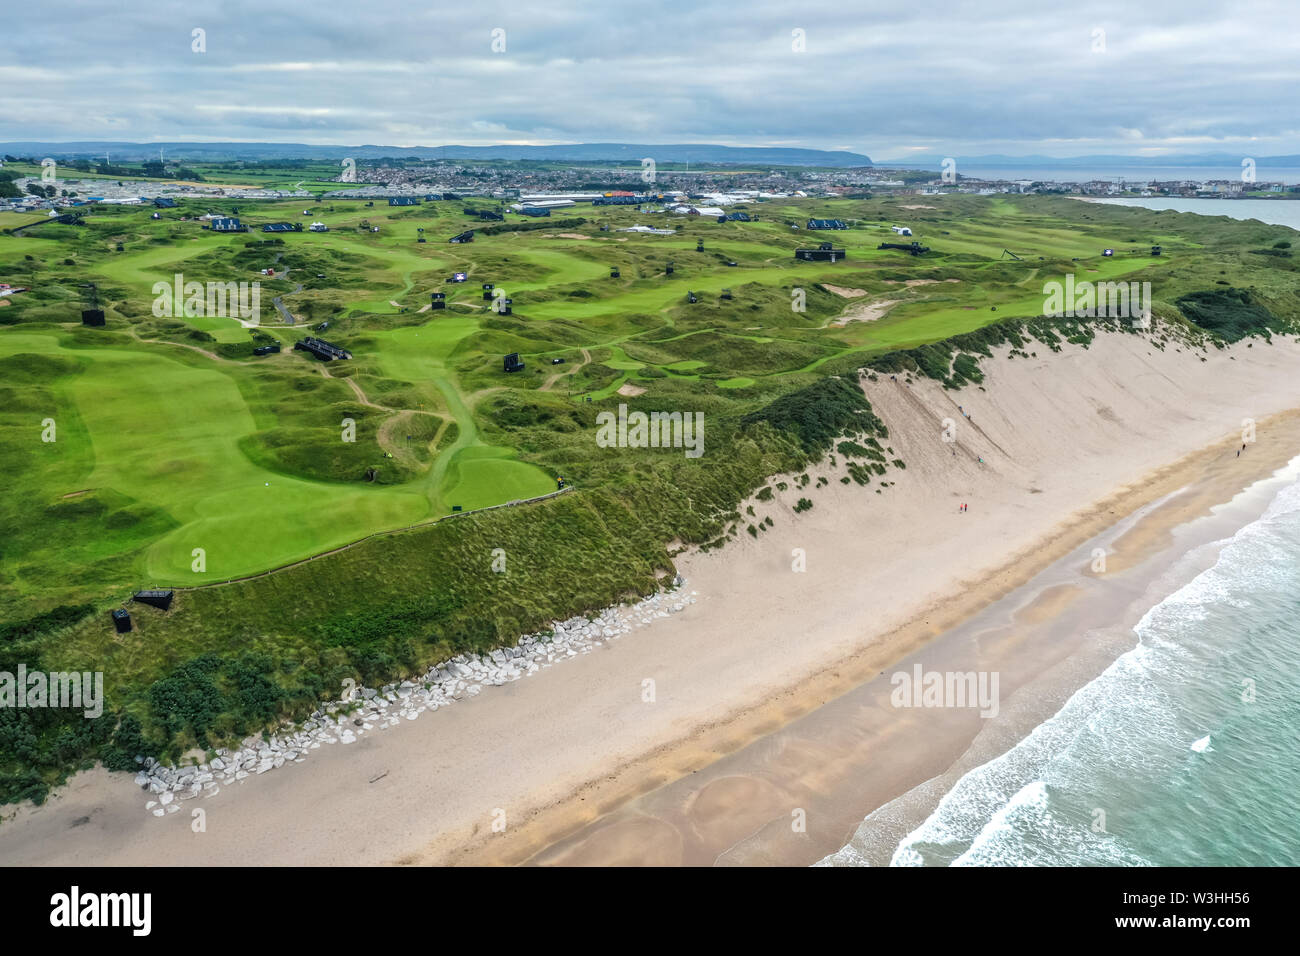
x: 326, y: 519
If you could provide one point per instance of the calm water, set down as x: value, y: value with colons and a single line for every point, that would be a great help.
x: 1277, y: 212
x: 1264, y: 173
x: 1187, y: 744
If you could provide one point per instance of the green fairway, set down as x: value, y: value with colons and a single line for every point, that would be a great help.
x: 167, y: 435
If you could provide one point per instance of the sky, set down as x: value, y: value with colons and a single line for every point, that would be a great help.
x: 893, y: 81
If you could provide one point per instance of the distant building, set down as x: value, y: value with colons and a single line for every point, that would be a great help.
x: 827, y: 224
x: 710, y: 211
x: 226, y: 224
x: 466, y: 236
x: 318, y: 227
x: 404, y: 201
x: 164, y: 203
x: 650, y: 229
x: 901, y: 230
x: 282, y: 227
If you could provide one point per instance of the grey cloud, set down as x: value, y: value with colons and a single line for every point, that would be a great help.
x: 949, y: 77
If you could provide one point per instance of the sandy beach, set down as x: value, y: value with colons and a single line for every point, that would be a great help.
x: 767, y: 691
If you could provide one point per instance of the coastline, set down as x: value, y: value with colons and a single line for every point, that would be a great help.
x: 558, y: 752
x: 856, y: 755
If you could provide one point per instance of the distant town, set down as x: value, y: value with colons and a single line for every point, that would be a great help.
x: 536, y: 188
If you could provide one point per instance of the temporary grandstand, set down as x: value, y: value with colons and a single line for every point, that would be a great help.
x: 915, y: 248
x: 826, y: 252
x: 325, y: 351
x: 157, y: 598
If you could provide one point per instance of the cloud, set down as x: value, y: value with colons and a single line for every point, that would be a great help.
x: 948, y: 78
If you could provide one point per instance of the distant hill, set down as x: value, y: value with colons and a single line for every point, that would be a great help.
x: 577, y: 152
x: 934, y: 160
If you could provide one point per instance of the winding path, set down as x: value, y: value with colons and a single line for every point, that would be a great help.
x: 571, y: 370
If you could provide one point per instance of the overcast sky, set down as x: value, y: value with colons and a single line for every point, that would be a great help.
x: 890, y: 80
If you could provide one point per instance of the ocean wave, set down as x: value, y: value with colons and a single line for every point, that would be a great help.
x: 1122, y: 744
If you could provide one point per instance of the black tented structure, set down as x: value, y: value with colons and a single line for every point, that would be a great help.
x: 155, y: 598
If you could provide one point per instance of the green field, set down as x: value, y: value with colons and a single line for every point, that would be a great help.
x: 172, y: 436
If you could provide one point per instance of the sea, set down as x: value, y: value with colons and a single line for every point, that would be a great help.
x: 1183, y: 752
x: 1277, y: 212
x: 1264, y: 172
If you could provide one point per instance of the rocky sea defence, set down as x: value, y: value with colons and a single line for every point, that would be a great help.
x: 363, y: 710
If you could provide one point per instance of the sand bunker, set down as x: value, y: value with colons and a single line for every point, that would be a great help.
x: 840, y: 290
x: 566, y: 235
x: 630, y: 390
x: 867, y: 312
x: 919, y: 207
x: 913, y: 282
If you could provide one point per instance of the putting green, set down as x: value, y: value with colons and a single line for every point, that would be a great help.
x: 482, y: 475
